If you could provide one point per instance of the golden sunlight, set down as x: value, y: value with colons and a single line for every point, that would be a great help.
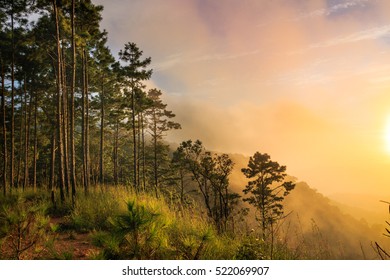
x: 387, y: 135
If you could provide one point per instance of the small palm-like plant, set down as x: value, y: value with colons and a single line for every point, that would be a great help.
x: 137, y: 233
x: 24, y: 226
x: 136, y: 221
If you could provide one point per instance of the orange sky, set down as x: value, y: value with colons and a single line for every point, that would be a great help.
x: 307, y: 82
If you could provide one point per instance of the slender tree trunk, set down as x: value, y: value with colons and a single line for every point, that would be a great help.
x: 35, y: 142
x: 88, y: 160
x: 27, y: 117
x: 263, y: 218
x: 71, y: 109
x: 143, y: 153
x: 139, y: 149
x: 115, y: 157
x: 101, y: 165
x: 85, y: 124
x: 135, y: 182
x: 12, y: 159
x: 52, y: 185
x: 65, y: 124
x: 60, y: 149
x: 20, y: 146
x: 3, y: 114
x: 155, y: 166
x: 83, y: 154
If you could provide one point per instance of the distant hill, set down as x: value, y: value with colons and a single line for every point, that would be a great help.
x: 321, y: 226
x: 319, y: 223
x: 362, y: 206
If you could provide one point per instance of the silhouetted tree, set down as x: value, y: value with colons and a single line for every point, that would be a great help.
x: 211, y: 173
x: 267, y: 188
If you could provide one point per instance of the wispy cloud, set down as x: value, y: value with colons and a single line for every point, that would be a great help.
x: 332, y: 10
x: 368, y: 34
x: 181, y: 58
x: 226, y: 56
x: 168, y: 62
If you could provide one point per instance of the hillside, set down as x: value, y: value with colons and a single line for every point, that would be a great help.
x: 320, y: 225
x: 315, y: 217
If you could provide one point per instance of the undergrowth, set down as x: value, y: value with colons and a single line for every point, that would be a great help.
x: 120, y: 224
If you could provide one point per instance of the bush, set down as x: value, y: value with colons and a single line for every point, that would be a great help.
x: 137, y: 233
x: 22, y: 227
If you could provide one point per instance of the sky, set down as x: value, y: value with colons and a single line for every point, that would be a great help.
x: 306, y: 81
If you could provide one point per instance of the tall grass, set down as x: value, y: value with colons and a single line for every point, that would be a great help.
x: 126, y: 225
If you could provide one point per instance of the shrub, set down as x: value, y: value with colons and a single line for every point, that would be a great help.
x: 23, y: 227
x: 137, y: 233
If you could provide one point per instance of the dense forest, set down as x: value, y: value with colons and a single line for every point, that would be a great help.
x: 83, y: 154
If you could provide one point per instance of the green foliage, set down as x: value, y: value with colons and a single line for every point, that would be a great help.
x: 124, y: 225
x: 251, y: 248
x: 137, y: 233
x: 110, y: 244
x: 267, y: 189
x: 23, y: 225
x: 190, y: 237
x: 53, y: 254
x: 254, y: 248
x: 93, y: 212
x: 211, y: 174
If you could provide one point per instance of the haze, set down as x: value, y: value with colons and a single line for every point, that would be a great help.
x: 307, y: 82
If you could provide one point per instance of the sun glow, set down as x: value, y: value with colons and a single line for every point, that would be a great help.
x: 387, y: 135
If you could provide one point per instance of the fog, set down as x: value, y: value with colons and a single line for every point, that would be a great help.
x: 318, y: 227
x: 305, y: 81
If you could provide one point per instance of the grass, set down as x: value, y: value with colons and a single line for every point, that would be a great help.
x: 23, y: 225
x: 118, y: 224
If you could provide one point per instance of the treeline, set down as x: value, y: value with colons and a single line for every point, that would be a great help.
x: 73, y: 117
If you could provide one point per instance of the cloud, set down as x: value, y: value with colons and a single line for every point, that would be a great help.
x: 302, y: 80
x: 332, y: 9
x: 368, y: 34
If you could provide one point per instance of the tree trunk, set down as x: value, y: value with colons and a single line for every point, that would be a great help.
x: 85, y: 124
x: 22, y: 121
x: 83, y: 154
x: 27, y: 117
x: 59, y: 116
x: 52, y: 168
x: 101, y: 164
x: 65, y: 124
x: 72, y: 161
x: 88, y: 168
x: 35, y: 142
x: 139, y: 151
x: 263, y: 216
x: 115, y: 156
x: 143, y: 153
x: 3, y: 114
x: 135, y: 182
x: 12, y: 159
x: 155, y: 166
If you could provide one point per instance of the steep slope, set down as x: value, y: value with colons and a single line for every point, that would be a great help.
x: 317, y: 225
x: 331, y: 233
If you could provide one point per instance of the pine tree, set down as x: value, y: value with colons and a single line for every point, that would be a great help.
x: 134, y: 73
x: 104, y: 73
x: 267, y: 188
x: 159, y: 124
